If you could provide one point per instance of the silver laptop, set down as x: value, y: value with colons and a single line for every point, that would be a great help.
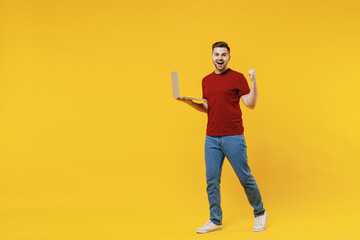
x: 175, y: 87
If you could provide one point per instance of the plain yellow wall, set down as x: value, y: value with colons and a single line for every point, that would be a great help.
x: 87, y: 115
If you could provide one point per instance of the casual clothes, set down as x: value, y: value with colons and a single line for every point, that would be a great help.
x: 224, y: 138
x: 234, y: 148
x: 223, y: 92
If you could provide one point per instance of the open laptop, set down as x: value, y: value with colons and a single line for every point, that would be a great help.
x: 176, y: 90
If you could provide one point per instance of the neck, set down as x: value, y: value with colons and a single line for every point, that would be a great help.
x: 217, y: 71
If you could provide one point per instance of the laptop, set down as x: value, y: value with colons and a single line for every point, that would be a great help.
x: 175, y: 87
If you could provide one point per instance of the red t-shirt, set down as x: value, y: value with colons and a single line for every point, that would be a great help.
x: 223, y: 92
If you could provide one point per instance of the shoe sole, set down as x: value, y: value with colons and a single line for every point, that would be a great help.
x: 259, y: 230
x: 212, y: 230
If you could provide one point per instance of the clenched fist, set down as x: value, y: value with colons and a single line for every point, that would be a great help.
x: 252, y: 74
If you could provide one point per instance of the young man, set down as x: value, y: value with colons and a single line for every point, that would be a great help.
x: 223, y: 89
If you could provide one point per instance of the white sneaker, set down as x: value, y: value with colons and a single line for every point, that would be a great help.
x: 209, y: 226
x: 259, y: 223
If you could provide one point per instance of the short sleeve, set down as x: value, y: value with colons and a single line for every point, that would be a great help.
x: 203, y: 93
x: 243, y: 86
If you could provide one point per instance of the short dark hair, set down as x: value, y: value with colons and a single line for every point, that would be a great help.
x: 221, y: 44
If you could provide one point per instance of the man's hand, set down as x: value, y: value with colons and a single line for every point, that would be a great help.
x: 252, y: 75
x: 188, y: 101
x: 202, y: 107
x: 250, y: 99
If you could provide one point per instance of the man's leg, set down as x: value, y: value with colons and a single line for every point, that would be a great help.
x: 214, y: 159
x: 234, y: 148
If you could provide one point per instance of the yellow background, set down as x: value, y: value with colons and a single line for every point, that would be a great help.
x: 93, y: 146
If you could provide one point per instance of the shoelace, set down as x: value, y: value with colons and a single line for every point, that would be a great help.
x: 207, y: 224
x: 258, y: 221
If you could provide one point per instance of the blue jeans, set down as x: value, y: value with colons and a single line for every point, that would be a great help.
x: 234, y: 149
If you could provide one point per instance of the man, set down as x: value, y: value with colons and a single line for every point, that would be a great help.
x: 223, y: 89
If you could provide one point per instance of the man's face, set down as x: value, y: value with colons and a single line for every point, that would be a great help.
x: 220, y: 57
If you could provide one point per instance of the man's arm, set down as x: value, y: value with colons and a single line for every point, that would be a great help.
x: 250, y: 99
x: 202, y: 107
